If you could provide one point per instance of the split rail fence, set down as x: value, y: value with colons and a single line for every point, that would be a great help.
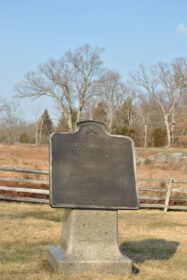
x: 147, y: 194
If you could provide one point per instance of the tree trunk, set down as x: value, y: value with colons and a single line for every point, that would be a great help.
x: 69, y: 122
x: 41, y: 128
x: 110, y: 122
x: 166, y: 120
x: 10, y: 137
x: 168, y: 130
x: 145, y: 136
x: 36, y: 132
x: 172, y: 127
x: 78, y: 116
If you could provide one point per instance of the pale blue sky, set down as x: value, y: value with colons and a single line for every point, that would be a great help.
x: 132, y: 32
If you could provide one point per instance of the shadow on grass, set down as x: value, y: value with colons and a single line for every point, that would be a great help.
x: 149, y: 249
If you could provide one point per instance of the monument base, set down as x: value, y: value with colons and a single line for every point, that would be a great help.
x: 89, y: 243
x: 60, y: 263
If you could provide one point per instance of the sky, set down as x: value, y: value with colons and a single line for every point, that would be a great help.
x: 132, y: 32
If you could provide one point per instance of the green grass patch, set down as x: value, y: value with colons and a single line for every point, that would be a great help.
x: 55, y: 215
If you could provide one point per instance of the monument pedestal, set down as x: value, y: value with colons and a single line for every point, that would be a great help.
x: 89, y: 242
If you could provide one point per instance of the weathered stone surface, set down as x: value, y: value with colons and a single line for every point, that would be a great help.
x: 159, y: 157
x: 176, y: 157
x: 89, y: 243
x: 163, y: 157
x: 92, y: 169
x: 140, y: 160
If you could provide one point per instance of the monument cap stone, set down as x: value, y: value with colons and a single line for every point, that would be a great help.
x: 92, y: 169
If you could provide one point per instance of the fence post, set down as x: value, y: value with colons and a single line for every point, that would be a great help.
x: 168, y: 194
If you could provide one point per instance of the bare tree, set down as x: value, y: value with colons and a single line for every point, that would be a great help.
x: 167, y: 83
x: 10, y: 117
x: 38, y: 126
x: 173, y: 79
x: 112, y: 92
x: 144, y: 113
x: 181, y: 122
x: 89, y: 107
x: 86, y: 68
x: 69, y: 81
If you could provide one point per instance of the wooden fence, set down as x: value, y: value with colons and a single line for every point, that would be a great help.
x: 24, y: 190
x: 170, y: 194
x: 145, y: 193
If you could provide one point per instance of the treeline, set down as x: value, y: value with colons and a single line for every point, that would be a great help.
x: 150, y: 106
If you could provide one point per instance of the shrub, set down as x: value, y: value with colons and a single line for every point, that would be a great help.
x: 159, y: 137
x: 126, y: 131
x: 182, y: 140
x: 24, y: 138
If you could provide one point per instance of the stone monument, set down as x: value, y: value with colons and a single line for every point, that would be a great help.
x: 92, y: 176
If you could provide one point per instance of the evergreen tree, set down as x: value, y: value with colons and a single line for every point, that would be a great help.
x: 99, y: 113
x: 126, y: 114
x: 45, y: 126
x: 62, y: 125
x: 24, y: 138
x: 159, y: 137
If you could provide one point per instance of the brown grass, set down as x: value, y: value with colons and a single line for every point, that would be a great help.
x: 36, y: 157
x: 24, y: 156
x: 155, y: 241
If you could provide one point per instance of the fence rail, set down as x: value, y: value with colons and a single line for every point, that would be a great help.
x: 12, y: 169
x: 165, y: 198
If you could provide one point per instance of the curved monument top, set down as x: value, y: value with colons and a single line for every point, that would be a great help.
x: 91, y: 122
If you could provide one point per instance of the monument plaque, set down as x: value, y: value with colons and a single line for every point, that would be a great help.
x: 93, y: 174
x: 92, y: 169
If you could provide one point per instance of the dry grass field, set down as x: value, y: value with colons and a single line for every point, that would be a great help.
x: 36, y: 157
x: 155, y: 241
x: 24, y: 156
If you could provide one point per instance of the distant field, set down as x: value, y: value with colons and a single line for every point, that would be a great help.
x: 155, y: 241
x: 36, y: 157
x: 25, y: 156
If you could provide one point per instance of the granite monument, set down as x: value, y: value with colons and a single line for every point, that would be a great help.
x: 92, y: 176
